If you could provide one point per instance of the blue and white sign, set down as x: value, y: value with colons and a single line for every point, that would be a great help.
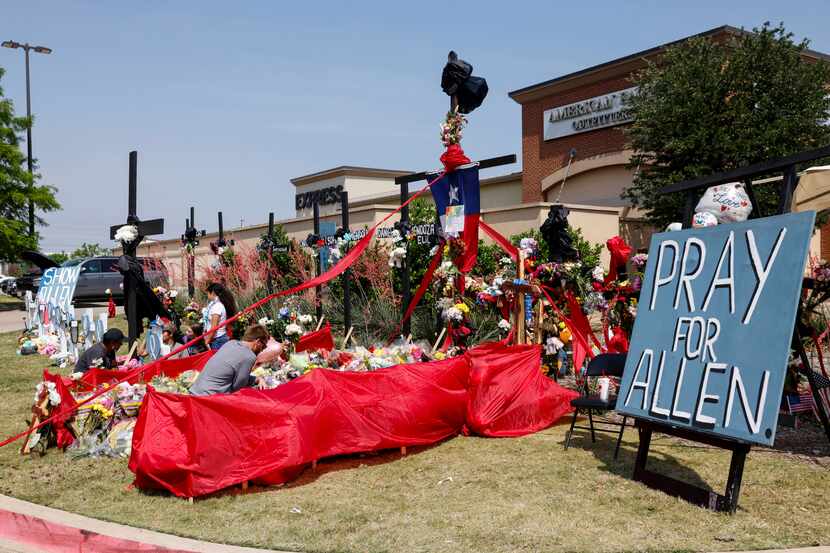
x: 57, y: 286
x: 712, y: 336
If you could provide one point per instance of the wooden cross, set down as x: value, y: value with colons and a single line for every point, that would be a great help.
x: 145, y: 228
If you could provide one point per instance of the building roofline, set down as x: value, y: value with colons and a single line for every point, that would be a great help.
x: 517, y: 94
x: 347, y: 170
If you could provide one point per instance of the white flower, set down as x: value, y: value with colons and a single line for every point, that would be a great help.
x: 444, y: 303
x: 506, y: 261
x: 504, y: 324
x: 305, y: 319
x: 598, y: 273
x: 108, y: 291
x: 396, y: 257
x: 52, y: 392
x: 334, y: 253
x: 433, y: 250
x: 553, y: 345
x: 126, y: 234
x: 265, y: 321
x: 293, y: 329
x: 173, y: 293
x: 453, y: 314
x: 446, y: 266
x: 528, y: 244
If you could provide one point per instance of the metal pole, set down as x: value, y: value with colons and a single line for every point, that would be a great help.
x: 29, y: 145
x: 347, y: 276
x: 270, y: 261
x: 405, y: 329
x: 221, y: 230
x: 319, y: 289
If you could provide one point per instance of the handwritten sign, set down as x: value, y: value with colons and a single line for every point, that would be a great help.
x: 57, y: 286
x: 712, y: 336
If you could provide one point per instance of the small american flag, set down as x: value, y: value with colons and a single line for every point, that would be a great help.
x: 800, y: 402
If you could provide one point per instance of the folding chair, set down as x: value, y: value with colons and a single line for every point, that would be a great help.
x: 605, y: 364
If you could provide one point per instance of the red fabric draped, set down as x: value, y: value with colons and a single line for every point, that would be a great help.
x: 620, y: 251
x: 580, y: 348
x: 453, y: 158
x: 319, y: 339
x: 63, y: 411
x: 193, y: 445
x: 618, y: 343
x: 509, y: 395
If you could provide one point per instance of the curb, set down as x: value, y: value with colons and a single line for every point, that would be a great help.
x: 31, y: 527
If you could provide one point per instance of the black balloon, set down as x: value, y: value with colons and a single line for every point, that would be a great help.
x: 555, y: 233
x: 457, y: 80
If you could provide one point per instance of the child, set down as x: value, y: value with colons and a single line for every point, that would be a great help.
x: 192, y: 332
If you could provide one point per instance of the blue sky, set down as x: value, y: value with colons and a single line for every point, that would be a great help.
x: 226, y: 101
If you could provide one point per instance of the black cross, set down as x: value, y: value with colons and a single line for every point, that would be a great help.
x: 191, y: 238
x: 145, y: 228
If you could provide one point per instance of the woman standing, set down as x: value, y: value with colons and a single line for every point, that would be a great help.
x: 221, y: 306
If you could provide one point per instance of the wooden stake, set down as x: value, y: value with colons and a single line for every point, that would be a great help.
x: 245, y: 486
x: 133, y: 348
x: 190, y: 500
x: 409, y: 338
x: 440, y: 337
x: 521, y: 335
x: 348, y: 335
x: 403, y: 451
x: 540, y: 316
x: 320, y: 323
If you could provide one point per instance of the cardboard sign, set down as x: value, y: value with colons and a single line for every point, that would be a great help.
x: 714, y: 322
x: 57, y: 286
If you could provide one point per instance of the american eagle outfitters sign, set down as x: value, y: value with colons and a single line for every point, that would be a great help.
x: 712, y: 336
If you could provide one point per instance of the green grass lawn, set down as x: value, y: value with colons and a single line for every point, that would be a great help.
x: 465, y: 494
x: 10, y: 303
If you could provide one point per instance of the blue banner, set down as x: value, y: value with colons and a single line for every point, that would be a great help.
x: 716, y: 314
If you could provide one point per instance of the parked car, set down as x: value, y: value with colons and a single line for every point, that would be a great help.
x: 99, y: 274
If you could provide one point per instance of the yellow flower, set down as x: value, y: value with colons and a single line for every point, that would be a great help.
x: 561, y: 325
x: 446, y: 249
x: 439, y: 355
x: 463, y: 307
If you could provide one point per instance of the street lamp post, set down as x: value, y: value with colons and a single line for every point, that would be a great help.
x: 40, y: 50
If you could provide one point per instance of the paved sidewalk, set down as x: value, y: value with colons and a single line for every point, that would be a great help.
x: 26, y: 527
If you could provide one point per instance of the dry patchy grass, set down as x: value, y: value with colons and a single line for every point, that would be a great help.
x: 465, y: 494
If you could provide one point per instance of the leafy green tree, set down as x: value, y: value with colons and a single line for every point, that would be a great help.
x: 89, y: 250
x: 709, y: 107
x: 59, y: 257
x: 17, y: 187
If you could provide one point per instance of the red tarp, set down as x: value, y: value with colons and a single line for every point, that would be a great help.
x: 319, y: 339
x: 509, y: 395
x: 193, y: 446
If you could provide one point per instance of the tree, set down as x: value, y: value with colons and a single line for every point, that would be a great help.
x: 709, y: 107
x: 89, y: 250
x: 17, y: 187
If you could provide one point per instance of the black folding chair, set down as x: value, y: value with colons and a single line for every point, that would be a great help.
x: 605, y: 364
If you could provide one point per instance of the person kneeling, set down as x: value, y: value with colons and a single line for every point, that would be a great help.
x: 229, y: 369
x: 102, y: 354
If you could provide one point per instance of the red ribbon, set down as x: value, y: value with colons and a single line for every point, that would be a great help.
x: 502, y: 242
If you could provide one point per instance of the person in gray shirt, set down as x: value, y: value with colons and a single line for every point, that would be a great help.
x: 230, y: 367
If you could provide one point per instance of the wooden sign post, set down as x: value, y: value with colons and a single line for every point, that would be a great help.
x: 145, y: 228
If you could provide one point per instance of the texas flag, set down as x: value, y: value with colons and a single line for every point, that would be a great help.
x: 456, y: 198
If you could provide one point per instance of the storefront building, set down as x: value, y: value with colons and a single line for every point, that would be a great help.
x: 577, y: 118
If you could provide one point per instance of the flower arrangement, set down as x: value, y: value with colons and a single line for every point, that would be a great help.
x: 51, y: 392
x: 451, y: 128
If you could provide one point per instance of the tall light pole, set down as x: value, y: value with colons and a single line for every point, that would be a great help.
x: 40, y: 50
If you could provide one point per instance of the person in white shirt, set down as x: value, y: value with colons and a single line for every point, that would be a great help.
x: 220, y: 307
